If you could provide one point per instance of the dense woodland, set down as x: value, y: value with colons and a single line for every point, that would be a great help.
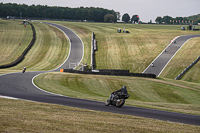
x: 39, y: 11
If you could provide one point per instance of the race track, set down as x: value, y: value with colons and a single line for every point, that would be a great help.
x: 19, y: 85
x: 167, y: 54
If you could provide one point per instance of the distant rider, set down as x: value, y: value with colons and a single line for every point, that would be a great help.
x: 123, y: 91
x: 24, y: 69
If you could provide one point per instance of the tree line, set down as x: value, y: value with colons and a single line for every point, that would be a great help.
x: 126, y: 18
x: 178, y: 20
x: 54, y: 12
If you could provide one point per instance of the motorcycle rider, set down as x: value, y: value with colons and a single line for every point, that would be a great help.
x: 123, y: 91
x: 24, y: 69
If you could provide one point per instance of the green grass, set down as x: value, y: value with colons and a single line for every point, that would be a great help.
x: 26, y: 116
x: 136, y: 49
x: 144, y: 92
x: 49, y: 51
x: 133, y: 51
x: 187, y: 54
x: 193, y: 75
x: 11, y: 34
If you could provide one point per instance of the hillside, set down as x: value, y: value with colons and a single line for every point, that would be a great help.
x: 49, y: 51
x: 14, y: 38
x: 187, y: 54
x: 133, y: 51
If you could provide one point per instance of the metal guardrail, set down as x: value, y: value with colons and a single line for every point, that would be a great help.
x: 186, y: 69
x: 93, y: 48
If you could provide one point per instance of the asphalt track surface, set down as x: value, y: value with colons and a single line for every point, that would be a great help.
x: 167, y: 54
x: 20, y: 85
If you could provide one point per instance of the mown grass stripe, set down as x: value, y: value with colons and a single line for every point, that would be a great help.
x: 50, y: 50
x: 142, y: 91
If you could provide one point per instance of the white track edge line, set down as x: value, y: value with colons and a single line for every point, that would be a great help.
x: 172, y: 57
x: 161, y: 53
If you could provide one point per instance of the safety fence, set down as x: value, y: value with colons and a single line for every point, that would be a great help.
x: 112, y: 72
x: 187, y: 69
x: 93, y: 49
x: 20, y: 58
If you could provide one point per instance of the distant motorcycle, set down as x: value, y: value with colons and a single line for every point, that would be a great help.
x: 118, y: 100
x: 24, y: 69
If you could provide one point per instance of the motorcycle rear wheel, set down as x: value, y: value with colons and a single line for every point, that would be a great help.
x: 120, y: 103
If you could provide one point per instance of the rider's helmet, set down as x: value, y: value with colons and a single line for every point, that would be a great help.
x: 124, y: 90
x: 24, y: 67
x: 124, y: 87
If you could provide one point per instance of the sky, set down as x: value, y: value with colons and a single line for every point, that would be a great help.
x: 146, y: 9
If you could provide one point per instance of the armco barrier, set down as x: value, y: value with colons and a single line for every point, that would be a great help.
x: 110, y: 72
x: 92, y: 52
x: 20, y: 58
x: 188, y: 68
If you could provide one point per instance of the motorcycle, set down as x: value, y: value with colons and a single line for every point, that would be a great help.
x: 23, y: 71
x: 118, y: 100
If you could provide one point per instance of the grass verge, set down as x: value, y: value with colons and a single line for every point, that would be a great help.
x: 187, y: 54
x: 133, y: 51
x: 11, y: 35
x: 26, y: 116
x: 49, y: 51
x: 144, y: 92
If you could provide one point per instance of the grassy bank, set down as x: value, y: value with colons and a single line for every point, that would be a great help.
x: 24, y: 116
x: 136, y: 49
x: 144, y: 92
x: 187, y: 54
x: 133, y: 51
x: 13, y: 33
x: 49, y: 51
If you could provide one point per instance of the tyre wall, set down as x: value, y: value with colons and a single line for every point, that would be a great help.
x: 109, y: 72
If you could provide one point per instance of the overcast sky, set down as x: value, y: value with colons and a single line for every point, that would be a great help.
x: 146, y: 9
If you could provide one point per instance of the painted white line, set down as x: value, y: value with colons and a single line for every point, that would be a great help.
x: 173, y: 57
x: 50, y: 70
x: 69, y: 48
x: 55, y: 93
x: 70, y: 44
x: 161, y: 53
x: 60, y: 65
x: 8, y: 97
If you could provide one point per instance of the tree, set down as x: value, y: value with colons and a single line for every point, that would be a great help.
x: 198, y: 21
x: 125, y: 17
x: 159, y: 20
x: 179, y: 19
x: 109, y: 18
x: 40, y: 11
x: 166, y: 19
x: 135, y: 18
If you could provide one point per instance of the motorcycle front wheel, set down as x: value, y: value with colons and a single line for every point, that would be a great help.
x: 107, y: 103
x: 120, y: 102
